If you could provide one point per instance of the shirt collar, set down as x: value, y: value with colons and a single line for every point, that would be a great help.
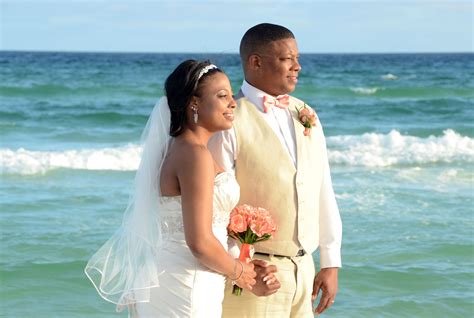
x: 254, y: 95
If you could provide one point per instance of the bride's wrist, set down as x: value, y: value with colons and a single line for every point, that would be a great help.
x: 236, y: 273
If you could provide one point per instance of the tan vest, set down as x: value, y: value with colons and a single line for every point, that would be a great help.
x: 268, y: 178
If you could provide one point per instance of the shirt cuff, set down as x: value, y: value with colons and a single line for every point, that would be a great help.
x: 330, y: 257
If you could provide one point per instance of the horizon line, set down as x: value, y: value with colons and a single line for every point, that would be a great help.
x: 230, y: 53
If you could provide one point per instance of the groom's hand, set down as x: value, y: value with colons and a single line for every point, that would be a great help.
x: 326, y: 281
x: 267, y: 283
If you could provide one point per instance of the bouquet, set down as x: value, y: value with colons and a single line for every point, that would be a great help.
x: 249, y: 225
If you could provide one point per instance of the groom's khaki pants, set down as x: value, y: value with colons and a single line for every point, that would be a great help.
x: 293, y: 299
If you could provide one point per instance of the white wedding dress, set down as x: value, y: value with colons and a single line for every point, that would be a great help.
x: 187, y: 288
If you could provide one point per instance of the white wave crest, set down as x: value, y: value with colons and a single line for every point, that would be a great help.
x: 27, y: 162
x: 365, y: 90
x: 381, y: 150
x: 389, y: 77
x: 369, y: 149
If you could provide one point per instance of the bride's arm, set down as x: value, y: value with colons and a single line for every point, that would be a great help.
x: 196, y: 180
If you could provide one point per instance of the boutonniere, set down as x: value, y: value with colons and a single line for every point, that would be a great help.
x: 307, y: 118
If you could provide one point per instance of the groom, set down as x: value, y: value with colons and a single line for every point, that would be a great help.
x: 284, y: 168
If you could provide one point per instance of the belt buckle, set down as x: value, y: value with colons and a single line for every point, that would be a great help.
x: 301, y: 252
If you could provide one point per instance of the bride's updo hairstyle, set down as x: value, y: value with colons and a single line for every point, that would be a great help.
x: 181, y: 85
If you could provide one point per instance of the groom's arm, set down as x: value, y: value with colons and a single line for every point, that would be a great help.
x: 330, y: 237
x: 330, y: 225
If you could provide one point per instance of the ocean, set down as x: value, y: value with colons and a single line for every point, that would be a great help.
x: 400, y: 137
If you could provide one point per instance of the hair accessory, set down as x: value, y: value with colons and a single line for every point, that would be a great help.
x: 205, y: 70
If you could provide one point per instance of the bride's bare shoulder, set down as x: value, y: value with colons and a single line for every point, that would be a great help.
x: 189, y: 156
x: 183, y: 163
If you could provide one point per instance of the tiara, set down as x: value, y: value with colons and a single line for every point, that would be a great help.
x: 205, y: 70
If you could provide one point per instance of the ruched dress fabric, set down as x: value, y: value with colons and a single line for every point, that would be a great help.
x: 188, y: 288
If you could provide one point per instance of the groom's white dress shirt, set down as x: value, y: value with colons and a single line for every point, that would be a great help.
x: 281, y: 123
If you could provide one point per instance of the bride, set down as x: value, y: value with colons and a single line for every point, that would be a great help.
x: 169, y: 258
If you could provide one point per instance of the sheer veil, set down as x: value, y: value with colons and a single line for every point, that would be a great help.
x: 125, y: 268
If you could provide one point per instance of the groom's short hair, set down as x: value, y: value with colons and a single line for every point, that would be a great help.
x: 260, y: 36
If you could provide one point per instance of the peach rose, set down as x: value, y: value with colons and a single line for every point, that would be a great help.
x: 262, y: 223
x: 305, y: 112
x: 237, y: 223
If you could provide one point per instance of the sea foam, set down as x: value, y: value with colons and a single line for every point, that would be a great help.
x: 382, y: 150
x: 365, y: 90
x: 389, y: 77
x: 27, y: 162
x: 369, y: 149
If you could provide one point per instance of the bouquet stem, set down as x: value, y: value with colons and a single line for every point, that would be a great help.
x: 243, y: 256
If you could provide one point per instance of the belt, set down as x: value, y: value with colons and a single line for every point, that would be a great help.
x: 300, y: 253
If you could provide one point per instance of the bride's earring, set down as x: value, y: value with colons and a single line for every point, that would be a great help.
x: 195, y: 115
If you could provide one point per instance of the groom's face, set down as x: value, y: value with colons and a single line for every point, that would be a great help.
x: 279, y: 67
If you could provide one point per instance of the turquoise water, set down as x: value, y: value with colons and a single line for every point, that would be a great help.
x: 401, y: 145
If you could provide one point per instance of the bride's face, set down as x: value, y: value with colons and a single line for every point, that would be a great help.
x: 216, y: 104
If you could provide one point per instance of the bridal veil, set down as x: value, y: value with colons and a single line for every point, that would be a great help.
x: 125, y: 268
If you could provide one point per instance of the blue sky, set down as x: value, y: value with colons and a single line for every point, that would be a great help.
x: 217, y: 26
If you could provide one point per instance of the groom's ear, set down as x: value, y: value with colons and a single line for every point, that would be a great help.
x: 254, y: 62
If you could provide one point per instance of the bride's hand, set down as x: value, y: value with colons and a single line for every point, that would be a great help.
x: 247, y: 279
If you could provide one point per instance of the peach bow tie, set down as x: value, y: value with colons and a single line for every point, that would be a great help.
x: 282, y: 101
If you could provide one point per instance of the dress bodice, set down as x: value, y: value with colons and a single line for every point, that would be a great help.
x: 226, y: 196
